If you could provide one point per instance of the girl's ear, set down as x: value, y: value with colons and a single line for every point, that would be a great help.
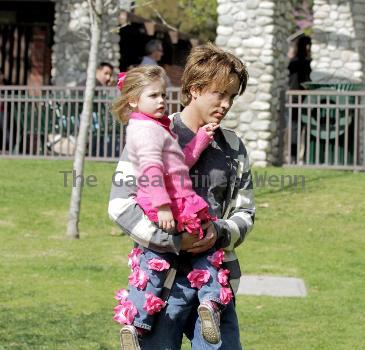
x: 132, y: 104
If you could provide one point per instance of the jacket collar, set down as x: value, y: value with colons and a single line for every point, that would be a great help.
x: 164, y: 121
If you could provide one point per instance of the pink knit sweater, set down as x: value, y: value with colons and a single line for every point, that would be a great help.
x: 162, y: 168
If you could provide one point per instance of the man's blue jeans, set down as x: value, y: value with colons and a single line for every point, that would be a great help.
x: 180, y: 316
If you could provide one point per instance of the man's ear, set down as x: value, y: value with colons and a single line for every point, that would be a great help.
x: 194, y: 92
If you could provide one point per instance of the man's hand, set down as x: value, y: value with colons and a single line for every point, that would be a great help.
x: 207, y: 242
x: 188, y: 241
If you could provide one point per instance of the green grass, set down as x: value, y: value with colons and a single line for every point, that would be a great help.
x: 58, y: 294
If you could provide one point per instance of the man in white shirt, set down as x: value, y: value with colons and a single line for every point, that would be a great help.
x: 154, y: 52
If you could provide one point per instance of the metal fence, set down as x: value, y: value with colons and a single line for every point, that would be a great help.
x: 43, y: 122
x: 325, y: 128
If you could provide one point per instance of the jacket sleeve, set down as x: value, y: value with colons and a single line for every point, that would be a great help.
x: 240, y: 214
x: 129, y: 216
x: 145, y: 144
x: 196, y: 146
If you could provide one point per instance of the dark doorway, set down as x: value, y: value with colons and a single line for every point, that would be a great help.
x: 26, y: 39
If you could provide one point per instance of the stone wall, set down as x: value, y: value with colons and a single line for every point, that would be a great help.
x: 256, y: 32
x: 72, y: 40
x: 338, y: 49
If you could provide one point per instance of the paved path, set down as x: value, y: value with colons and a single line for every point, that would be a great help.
x: 273, y: 286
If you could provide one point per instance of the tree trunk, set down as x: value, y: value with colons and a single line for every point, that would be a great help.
x: 78, y: 165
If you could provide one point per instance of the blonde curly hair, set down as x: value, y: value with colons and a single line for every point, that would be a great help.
x: 135, y: 81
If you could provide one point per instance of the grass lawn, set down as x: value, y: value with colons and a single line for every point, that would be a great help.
x: 58, y: 294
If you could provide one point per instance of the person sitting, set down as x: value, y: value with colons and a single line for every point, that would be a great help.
x: 104, y: 74
x: 154, y: 52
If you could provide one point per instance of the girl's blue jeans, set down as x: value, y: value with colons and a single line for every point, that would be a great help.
x: 180, y: 317
x: 209, y: 291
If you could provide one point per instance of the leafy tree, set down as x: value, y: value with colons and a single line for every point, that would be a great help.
x: 195, y: 17
x: 303, y: 14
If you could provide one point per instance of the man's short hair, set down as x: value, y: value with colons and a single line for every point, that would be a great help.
x: 152, y: 46
x: 105, y: 64
x: 206, y: 65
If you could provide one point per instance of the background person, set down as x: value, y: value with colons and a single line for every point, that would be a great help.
x: 104, y: 73
x: 154, y: 53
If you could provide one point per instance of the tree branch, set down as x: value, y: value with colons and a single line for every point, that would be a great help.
x: 148, y: 3
x: 93, y: 10
x: 163, y: 20
x: 107, y: 3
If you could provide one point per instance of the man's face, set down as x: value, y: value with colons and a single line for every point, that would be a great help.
x: 104, y: 75
x: 157, y: 54
x: 212, y: 104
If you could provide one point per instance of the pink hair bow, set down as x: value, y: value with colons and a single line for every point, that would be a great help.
x: 121, y: 78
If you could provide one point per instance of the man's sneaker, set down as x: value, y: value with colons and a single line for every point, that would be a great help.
x: 129, y: 338
x: 209, y: 318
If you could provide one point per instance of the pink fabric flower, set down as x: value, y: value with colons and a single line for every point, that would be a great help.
x: 205, y: 216
x: 198, y: 277
x: 121, y: 295
x: 134, y: 257
x: 223, y: 277
x: 125, y: 312
x: 121, y: 78
x: 225, y: 295
x: 153, y: 304
x: 217, y: 258
x: 158, y: 264
x: 191, y: 224
x: 138, y: 278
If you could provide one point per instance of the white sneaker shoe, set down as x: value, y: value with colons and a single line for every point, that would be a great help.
x: 129, y: 338
x: 210, y: 322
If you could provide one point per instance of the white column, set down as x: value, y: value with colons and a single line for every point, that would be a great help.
x: 256, y: 32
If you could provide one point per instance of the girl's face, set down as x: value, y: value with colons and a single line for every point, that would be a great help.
x: 152, y: 100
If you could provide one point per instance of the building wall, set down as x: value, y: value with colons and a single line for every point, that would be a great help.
x: 338, y: 40
x: 25, y: 41
x: 256, y: 32
x: 338, y: 49
x: 72, y: 40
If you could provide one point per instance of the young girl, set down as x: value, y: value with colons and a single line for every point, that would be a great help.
x: 166, y: 195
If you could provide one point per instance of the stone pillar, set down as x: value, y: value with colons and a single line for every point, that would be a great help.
x: 72, y: 40
x: 256, y: 32
x: 338, y: 48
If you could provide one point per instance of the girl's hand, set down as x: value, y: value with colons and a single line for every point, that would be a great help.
x: 165, y: 218
x: 210, y: 128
